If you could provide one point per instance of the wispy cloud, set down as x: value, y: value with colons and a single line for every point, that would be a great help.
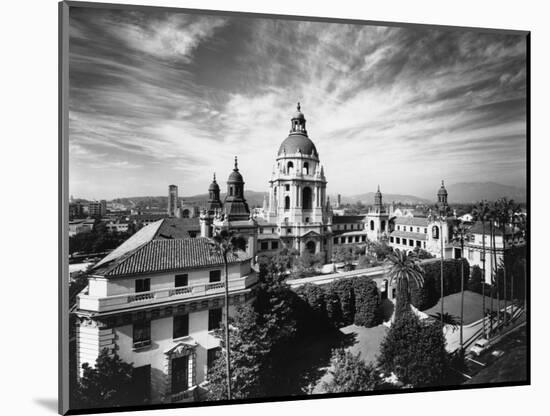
x: 175, y: 97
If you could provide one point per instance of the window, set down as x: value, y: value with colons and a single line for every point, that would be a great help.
x: 287, y: 188
x: 424, y: 244
x: 211, y: 356
x: 231, y: 191
x: 181, y: 280
x: 411, y: 229
x: 345, y: 226
x: 141, y: 383
x: 363, y: 238
x: 372, y: 225
x: 307, y: 220
x: 261, y: 230
x: 289, y: 230
x: 181, y: 326
x: 215, y: 276
x: 274, y: 245
x: 356, y: 238
x: 418, y: 244
x: 404, y: 241
x: 290, y: 167
x: 391, y: 239
x: 398, y: 227
x: 264, y: 245
x: 435, y: 232
x: 143, y: 285
x: 417, y: 229
x: 214, y: 318
x: 425, y: 231
x: 411, y: 243
x: 398, y: 240
x: 287, y: 202
x: 273, y: 231
x: 180, y: 371
x: 307, y: 198
x: 142, y: 334
x: 306, y: 168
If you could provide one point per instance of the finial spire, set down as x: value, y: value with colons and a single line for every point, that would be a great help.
x: 378, y: 188
x: 214, y: 176
x: 236, y: 164
x: 298, y: 107
x: 442, y: 183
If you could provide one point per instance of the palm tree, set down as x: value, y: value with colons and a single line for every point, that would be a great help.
x: 453, y: 321
x: 493, y: 212
x: 461, y: 234
x: 481, y: 212
x: 227, y: 244
x: 404, y: 271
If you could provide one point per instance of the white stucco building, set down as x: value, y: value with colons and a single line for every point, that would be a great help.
x: 156, y: 300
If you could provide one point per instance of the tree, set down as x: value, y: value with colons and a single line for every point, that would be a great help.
x: 475, y: 283
x: 381, y: 250
x: 225, y: 243
x: 404, y: 272
x: 108, y: 384
x: 367, y: 302
x: 344, y: 254
x: 349, y: 373
x: 414, y: 351
x: 249, y: 347
x: 481, y: 213
x: 460, y: 235
x: 422, y: 254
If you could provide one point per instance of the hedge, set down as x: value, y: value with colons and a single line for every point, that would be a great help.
x: 428, y: 295
x: 367, y: 303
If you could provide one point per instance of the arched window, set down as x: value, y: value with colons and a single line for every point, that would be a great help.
x: 231, y: 191
x: 290, y: 167
x: 305, y: 171
x: 383, y: 225
x: 372, y: 225
x: 307, y: 219
x: 185, y: 213
x: 306, y: 198
x: 287, y: 202
x: 435, y: 232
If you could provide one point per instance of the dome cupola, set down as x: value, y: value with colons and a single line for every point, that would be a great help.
x: 297, y: 140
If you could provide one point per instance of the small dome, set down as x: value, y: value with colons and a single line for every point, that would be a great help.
x: 442, y: 190
x: 298, y: 114
x: 235, y: 176
x: 214, y: 185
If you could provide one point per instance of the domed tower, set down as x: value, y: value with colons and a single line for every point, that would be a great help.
x: 378, y: 219
x: 235, y: 205
x: 297, y: 194
x: 214, y: 202
x: 442, y: 204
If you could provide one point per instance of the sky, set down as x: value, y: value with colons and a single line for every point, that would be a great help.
x: 159, y: 98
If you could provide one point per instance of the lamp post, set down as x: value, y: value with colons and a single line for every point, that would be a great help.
x: 460, y: 236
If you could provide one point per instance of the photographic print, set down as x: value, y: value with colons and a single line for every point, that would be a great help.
x: 261, y: 208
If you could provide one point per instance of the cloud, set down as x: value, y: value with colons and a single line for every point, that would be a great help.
x: 177, y: 96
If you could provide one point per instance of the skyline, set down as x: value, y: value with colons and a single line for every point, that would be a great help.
x: 162, y: 98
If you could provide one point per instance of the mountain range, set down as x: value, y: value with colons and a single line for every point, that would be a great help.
x: 463, y: 192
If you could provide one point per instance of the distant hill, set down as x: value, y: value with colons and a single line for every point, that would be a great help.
x: 253, y: 198
x: 477, y: 191
x: 368, y: 199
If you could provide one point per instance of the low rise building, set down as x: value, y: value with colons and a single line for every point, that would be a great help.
x: 156, y: 300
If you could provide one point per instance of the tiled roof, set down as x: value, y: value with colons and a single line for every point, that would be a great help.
x: 177, y: 228
x: 404, y: 234
x: 477, y: 228
x: 166, y: 255
x: 413, y: 221
x: 346, y: 219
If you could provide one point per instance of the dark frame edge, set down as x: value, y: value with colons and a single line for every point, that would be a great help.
x: 241, y: 13
x: 63, y: 232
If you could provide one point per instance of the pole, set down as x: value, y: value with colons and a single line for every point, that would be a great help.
x: 461, y: 290
x: 227, y: 358
x: 483, y: 281
x: 442, y: 285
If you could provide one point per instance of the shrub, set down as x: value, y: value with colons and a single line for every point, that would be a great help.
x: 343, y: 289
x: 367, y: 302
x: 475, y: 282
x: 414, y: 351
x: 350, y: 374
